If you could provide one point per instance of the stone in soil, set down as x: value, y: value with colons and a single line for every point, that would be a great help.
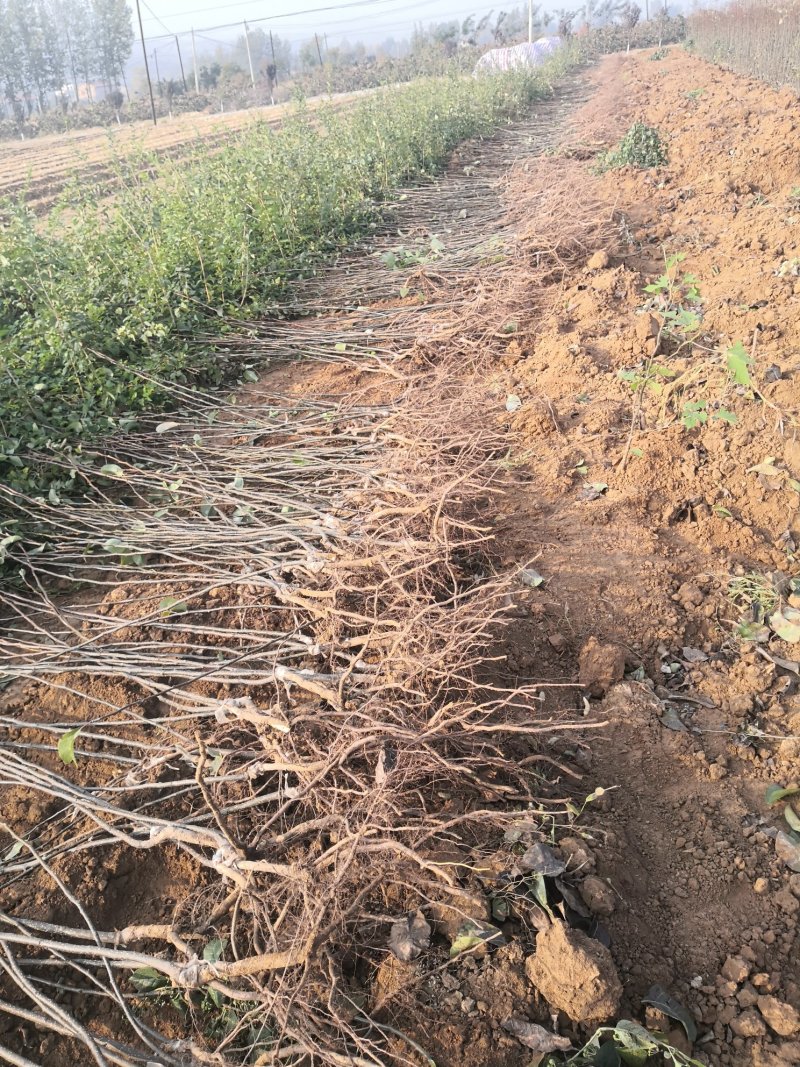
x: 781, y: 1017
x: 597, y: 895
x: 600, y: 666
x: 575, y: 975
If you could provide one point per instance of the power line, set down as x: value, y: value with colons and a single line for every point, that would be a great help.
x: 286, y: 15
x: 156, y: 17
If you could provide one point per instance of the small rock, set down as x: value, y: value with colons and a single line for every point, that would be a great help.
x: 747, y: 996
x: 448, y: 918
x: 782, y: 1018
x: 467, y: 1004
x: 597, y: 895
x: 748, y: 1024
x: 577, y: 853
x: 449, y: 981
x: 392, y: 976
x: 761, y: 885
x: 599, y: 261
x: 787, y: 901
x: 575, y: 974
x: 735, y: 969
x: 794, y: 884
x: 599, y: 666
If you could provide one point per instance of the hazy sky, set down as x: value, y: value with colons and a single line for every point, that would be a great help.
x: 354, y: 19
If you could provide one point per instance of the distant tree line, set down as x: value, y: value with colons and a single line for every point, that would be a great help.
x: 53, y: 51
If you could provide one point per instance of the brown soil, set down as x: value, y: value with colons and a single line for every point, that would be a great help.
x: 686, y: 837
x: 636, y: 524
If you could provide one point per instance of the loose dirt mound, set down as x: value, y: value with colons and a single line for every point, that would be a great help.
x: 643, y: 518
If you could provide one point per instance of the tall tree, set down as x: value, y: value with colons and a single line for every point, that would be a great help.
x: 12, y: 61
x: 113, y: 39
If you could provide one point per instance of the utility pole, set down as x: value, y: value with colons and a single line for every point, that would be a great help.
x: 180, y: 60
x: 146, y: 65
x: 647, y: 10
x: 194, y: 60
x: 319, y: 53
x: 249, y: 56
x: 530, y: 21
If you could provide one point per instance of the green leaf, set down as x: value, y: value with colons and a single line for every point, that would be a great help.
x: 112, y: 470
x: 792, y: 817
x: 66, y: 745
x: 238, y: 482
x: 216, y: 998
x: 500, y: 909
x: 165, y: 427
x: 531, y: 578
x: 539, y: 889
x: 171, y: 605
x: 607, y: 1056
x: 747, y: 630
x: 214, y: 949
x: 726, y: 416
x: 739, y: 361
x: 473, y: 933
x: 149, y: 980
x: 340, y: 346
x: 667, y: 1005
x: 14, y: 851
x: 786, y: 624
x: 774, y: 793
x: 250, y: 376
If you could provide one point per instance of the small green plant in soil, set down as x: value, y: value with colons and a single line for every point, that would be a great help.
x: 696, y: 413
x: 625, y: 1045
x: 753, y: 592
x: 641, y: 147
x: 672, y: 295
x: 649, y: 377
x: 659, y: 54
x: 221, y: 1016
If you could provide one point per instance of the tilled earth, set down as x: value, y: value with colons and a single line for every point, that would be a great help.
x: 636, y: 515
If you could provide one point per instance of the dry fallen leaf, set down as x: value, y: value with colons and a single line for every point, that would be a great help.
x: 408, y: 937
x: 536, y: 1037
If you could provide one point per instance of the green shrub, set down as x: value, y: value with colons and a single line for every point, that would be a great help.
x: 641, y: 147
x: 98, y: 307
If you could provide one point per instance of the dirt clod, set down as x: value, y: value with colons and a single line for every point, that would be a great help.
x: 599, y: 666
x: 735, y: 969
x: 597, y: 895
x: 575, y: 975
x: 748, y: 1024
x: 781, y: 1017
x: 599, y: 261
